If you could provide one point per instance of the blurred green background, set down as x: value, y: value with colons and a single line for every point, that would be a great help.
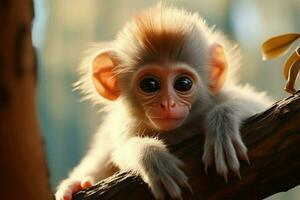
x: 63, y: 29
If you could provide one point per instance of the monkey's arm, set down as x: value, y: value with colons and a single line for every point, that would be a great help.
x: 96, y: 164
x: 223, y: 143
x: 149, y: 158
x: 92, y: 168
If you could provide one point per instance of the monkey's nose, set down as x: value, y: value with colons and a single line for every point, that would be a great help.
x: 167, y: 105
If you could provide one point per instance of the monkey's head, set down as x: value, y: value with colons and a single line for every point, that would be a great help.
x: 161, y: 63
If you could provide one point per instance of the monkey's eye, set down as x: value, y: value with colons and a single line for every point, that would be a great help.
x: 149, y: 85
x: 183, y: 84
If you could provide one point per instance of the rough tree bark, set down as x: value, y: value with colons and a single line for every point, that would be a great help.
x: 23, y: 169
x: 273, y: 139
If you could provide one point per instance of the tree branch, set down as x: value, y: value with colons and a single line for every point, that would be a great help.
x: 273, y: 141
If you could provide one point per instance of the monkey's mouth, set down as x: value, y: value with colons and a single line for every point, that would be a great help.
x: 167, y: 123
x: 168, y: 118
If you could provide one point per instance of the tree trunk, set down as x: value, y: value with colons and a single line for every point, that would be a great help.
x: 23, y: 168
x: 273, y: 140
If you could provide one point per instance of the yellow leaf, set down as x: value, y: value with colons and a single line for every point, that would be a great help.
x: 278, y: 45
x: 291, y: 70
x: 289, y: 63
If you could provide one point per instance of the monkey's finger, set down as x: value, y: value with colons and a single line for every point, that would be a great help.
x: 185, y: 184
x: 171, y: 186
x: 221, y: 166
x: 240, y: 148
x: 177, y: 161
x: 181, y: 179
x: 86, y: 182
x: 67, y: 195
x: 231, y: 156
x: 157, y: 191
x: 208, y: 155
x: 72, y: 187
x: 68, y: 190
x: 208, y: 159
x: 176, y: 173
x: 155, y: 186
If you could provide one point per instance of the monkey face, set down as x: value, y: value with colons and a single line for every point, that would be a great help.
x: 166, y: 92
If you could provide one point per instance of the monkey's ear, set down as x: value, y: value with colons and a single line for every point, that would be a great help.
x: 104, y: 77
x: 218, y: 68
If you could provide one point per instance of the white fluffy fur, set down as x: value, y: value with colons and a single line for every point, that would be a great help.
x: 118, y: 142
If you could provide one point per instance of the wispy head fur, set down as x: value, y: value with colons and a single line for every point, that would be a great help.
x: 160, y: 34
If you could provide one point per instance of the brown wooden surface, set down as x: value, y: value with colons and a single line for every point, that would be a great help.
x: 23, y: 169
x: 273, y: 140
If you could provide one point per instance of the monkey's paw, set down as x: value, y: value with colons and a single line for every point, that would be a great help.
x: 225, y: 150
x: 161, y: 169
x: 68, y: 187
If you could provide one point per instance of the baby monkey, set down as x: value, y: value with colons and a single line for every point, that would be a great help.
x: 165, y: 68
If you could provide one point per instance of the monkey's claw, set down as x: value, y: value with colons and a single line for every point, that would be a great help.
x: 225, y: 150
x: 164, y: 172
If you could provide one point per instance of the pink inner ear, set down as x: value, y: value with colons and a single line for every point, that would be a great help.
x: 107, y: 77
x: 215, y: 73
x: 218, y: 68
x: 104, y: 78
